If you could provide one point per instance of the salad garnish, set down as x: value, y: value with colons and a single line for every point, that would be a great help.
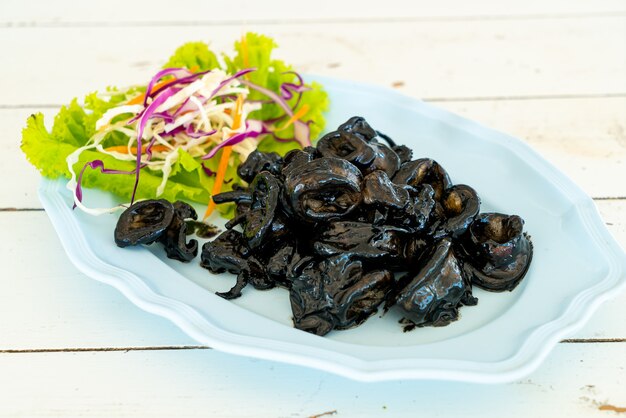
x: 163, y: 139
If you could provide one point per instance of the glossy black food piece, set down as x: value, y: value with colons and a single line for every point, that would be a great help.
x: 259, y: 161
x: 257, y: 220
x: 358, y: 125
x: 385, y: 159
x: 499, y: 250
x: 336, y: 293
x: 323, y: 189
x: 296, y: 158
x: 150, y: 221
x: 227, y: 253
x: 357, y: 142
x: 433, y: 293
x: 174, y: 239
x: 278, y: 263
x: 354, y: 223
x: 143, y: 223
x: 380, y: 191
x: 383, y: 244
x: 460, y: 205
x: 347, y: 146
x: 403, y: 152
x: 424, y: 171
x: 400, y: 205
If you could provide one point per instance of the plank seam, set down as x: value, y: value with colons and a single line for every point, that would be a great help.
x: 593, y: 340
x: 22, y: 209
x: 426, y: 99
x: 610, y: 198
x: 103, y: 349
x: 204, y: 347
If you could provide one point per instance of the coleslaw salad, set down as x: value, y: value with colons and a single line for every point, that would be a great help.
x: 191, y: 125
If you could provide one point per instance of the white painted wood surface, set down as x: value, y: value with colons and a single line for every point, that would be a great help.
x: 550, y: 72
x: 574, y: 382
x: 473, y: 58
x: 119, y: 12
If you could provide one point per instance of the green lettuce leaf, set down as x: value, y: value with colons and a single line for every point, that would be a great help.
x: 193, y: 55
x: 42, y: 150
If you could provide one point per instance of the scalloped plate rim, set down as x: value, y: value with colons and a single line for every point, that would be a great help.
x: 529, y: 356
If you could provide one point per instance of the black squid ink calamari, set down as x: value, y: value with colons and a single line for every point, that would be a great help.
x: 353, y: 225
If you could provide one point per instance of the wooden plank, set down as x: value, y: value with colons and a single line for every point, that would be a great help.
x: 115, y: 12
x: 22, y: 193
x: 575, y: 381
x: 432, y: 59
x: 59, y: 307
x: 585, y: 138
x: 483, y: 49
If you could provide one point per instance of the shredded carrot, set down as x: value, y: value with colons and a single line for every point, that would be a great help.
x: 244, y: 52
x: 245, y: 55
x: 123, y: 149
x: 223, y: 164
x: 139, y: 99
x: 299, y: 114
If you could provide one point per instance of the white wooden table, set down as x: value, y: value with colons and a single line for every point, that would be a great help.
x: 552, y: 72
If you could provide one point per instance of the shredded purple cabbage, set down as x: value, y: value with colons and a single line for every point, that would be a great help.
x: 301, y: 129
x: 183, y: 107
x: 173, y: 132
x: 184, y: 80
x: 95, y: 164
x: 197, y: 134
x: 165, y: 116
x: 229, y: 79
x: 176, y: 72
x: 147, y: 114
x: 269, y: 93
x: 287, y: 89
x: 208, y: 171
x: 233, y: 140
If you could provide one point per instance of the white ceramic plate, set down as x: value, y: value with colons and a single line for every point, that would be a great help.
x: 576, y: 265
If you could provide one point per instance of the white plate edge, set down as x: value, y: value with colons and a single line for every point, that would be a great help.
x: 537, y: 346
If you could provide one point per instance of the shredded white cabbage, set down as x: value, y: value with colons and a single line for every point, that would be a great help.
x: 116, y: 111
